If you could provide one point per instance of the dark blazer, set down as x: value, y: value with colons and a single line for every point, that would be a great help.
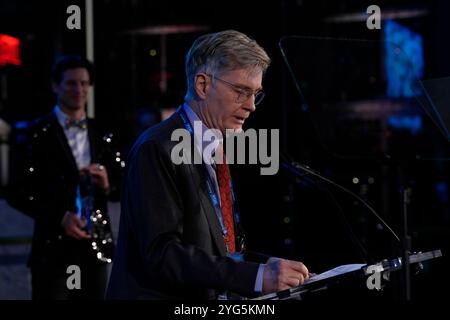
x: 43, y: 183
x: 170, y: 243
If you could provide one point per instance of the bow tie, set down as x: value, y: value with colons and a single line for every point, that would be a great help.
x: 81, y: 124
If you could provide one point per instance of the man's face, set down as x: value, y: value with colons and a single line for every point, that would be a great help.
x: 71, y: 92
x: 229, y: 99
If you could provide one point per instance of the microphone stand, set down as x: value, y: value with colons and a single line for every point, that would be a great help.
x: 297, y: 167
x: 405, y: 244
x: 405, y: 248
x: 406, y: 238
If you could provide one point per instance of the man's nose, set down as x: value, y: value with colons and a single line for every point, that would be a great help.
x: 250, y: 104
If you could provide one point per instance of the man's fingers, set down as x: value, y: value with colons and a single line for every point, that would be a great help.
x: 282, y: 274
x: 85, y: 170
x: 97, y: 168
x: 99, y: 177
x: 81, y: 223
x: 301, y: 279
x: 94, y: 169
x: 95, y: 174
x: 299, y: 267
x: 75, y: 235
x: 74, y: 225
x: 80, y: 234
x: 295, y: 281
x: 72, y: 234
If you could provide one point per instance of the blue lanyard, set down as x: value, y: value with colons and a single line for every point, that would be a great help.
x: 210, y: 183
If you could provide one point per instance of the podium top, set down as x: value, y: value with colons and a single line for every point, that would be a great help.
x: 344, y: 272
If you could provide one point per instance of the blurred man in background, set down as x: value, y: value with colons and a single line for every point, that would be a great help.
x: 63, y: 169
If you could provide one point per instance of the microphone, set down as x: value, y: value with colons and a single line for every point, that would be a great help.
x: 301, y: 170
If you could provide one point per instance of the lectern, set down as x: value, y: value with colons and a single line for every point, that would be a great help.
x: 373, y: 275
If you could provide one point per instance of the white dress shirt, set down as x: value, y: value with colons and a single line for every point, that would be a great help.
x: 77, y: 138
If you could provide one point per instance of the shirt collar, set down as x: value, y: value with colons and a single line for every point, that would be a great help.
x: 62, y: 117
x: 198, y: 134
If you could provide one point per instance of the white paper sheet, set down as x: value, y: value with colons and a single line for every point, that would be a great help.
x: 335, y: 272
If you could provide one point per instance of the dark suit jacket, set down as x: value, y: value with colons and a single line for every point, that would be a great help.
x: 43, y: 183
x: 170, y: 243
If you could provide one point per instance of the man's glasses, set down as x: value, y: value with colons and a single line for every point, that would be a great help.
x: 243, y: 93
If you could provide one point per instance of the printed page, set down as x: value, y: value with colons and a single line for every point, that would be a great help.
x: 335, y: 272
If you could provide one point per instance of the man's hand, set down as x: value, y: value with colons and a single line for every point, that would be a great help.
x: 98, y: 174
x: 73, y: 226
x: 280, y: 274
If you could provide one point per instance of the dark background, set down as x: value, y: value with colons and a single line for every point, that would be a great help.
x: 283, y: 216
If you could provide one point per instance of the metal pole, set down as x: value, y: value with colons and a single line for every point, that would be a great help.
x: 163, y: 61
x: 90, y: 52
x: 406, y: 246
x: 5, y: 129
x: 4, y: 152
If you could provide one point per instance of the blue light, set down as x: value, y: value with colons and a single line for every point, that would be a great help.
x: 411, y: 123
x: 442, y: 191
x: 404, y: 63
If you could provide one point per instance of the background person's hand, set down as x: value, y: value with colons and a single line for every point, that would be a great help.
x: 280, y: 274
x: 98, y: 174
x: 73, y: 226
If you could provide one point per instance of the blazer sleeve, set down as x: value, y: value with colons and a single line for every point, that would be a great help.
x: 111, y: 156
x: 154, y: 209
x: 22, y: 174
x: 25, y: 183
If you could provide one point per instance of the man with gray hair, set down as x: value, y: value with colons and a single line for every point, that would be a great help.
x: 180, y: 234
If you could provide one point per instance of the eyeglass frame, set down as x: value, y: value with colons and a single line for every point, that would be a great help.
x: 246, y: 92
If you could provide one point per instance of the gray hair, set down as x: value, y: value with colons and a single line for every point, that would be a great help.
x: 220, y: 52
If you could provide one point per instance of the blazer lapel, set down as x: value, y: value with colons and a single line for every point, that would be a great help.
x: 92, y: 142
x: 199, y: 178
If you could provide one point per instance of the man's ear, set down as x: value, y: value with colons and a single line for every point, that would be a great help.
x: 201, y: 84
